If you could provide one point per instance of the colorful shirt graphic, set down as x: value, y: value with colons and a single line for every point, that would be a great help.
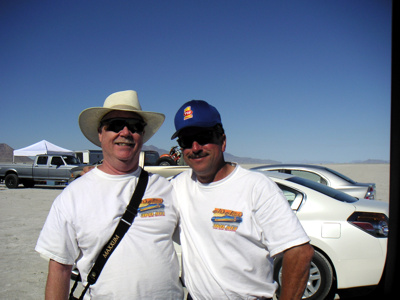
x: 225, y: 219
x: 151, y: 207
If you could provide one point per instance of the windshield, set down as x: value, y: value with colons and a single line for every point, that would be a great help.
x: 71, y: 160
x: 326, y: 190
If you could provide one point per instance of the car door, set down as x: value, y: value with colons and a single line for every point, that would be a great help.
x: 40, y: 168
x: 58, y: 169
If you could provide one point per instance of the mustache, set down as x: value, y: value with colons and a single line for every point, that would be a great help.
x: 197, y: 155
x: 124, y: 140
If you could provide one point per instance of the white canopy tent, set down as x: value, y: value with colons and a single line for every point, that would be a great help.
x: 42, y: 147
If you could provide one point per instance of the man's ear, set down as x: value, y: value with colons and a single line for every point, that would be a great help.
x: 223, y: 142
x: 100, y: 135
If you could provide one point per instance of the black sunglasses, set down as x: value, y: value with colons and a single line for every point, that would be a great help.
x: 117, y: 124
x: 202, y: 138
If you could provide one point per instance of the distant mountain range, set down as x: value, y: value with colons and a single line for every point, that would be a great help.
x: 6, y: 155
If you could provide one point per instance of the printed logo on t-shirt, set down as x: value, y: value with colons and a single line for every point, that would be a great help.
x: 225, y: 219
x: 151, y: 207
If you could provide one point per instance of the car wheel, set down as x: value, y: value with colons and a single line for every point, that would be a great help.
x: 11, y: 181
x: 320, y: 280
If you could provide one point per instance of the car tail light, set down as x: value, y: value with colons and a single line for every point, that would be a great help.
x: 376, y: 224
x: 370, y: 195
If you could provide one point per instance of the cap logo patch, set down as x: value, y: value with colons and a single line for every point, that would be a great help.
x: 187, y: 113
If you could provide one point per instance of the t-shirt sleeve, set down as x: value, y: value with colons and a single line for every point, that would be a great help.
x: 57, y: 240
x: 280, y: 227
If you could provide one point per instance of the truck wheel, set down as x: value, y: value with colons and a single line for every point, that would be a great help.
x: 11, y: 181
x: 28, y: 183
x: 165, y: 161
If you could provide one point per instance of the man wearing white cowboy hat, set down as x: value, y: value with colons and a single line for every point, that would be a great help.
x: 84, y: 216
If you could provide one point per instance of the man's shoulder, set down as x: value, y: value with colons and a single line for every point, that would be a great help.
x: 254, y: 178
x: 156, y: 178
x: 251, y: 173
x: 181, y: 177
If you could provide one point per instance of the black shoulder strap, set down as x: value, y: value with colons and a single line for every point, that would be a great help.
x: 123, y: 226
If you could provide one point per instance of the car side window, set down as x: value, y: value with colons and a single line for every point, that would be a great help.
x: 57, y: 161
x: 292, y: 196
x: 310, y: 176
x: 42, y: 160
x: 150, y: 159
x: 289, y: 195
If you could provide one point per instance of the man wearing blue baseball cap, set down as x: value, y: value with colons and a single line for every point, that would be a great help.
x: 233, y: 221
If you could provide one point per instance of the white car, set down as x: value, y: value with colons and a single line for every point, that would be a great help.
x: 349, y: 235
x: 327, y: 177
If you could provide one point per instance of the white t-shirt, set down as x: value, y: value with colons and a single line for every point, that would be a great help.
x: 83, y: 218
x: 230, y: 230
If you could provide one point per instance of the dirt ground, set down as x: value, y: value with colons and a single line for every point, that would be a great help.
x: 23, y: 212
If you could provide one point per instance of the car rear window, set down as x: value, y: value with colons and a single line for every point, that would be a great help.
x: 338, y: 195
x: 341, y: 176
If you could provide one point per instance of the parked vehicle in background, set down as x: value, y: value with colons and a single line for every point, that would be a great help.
x: 325, y: 176
x: 45, y: 168
x: 174, y: 158
x: 89, y: 156
x: 147, y: 160
x: 349, y: 236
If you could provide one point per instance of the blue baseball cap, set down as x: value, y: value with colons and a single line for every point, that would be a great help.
x: 196, y: 113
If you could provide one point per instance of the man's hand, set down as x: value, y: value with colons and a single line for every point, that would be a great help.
x: 295, y: 271
x: 58, y: 279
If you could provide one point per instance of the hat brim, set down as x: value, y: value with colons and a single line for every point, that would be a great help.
x: 89, y: 120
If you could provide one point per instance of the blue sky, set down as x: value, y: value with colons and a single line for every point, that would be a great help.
x: 293, y: 80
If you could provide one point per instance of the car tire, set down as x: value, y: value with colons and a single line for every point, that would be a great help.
x: 11, y: 181
x: 165, y: 161
x: 320, y: 282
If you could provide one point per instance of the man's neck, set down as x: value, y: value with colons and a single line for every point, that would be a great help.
x: 222, y: 172
x: 120, y: 168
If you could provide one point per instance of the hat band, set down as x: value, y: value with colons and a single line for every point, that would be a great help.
x: 124, y: 107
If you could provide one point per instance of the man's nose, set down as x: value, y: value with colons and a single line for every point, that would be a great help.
x: 196, y: 146
x: 125, y: 131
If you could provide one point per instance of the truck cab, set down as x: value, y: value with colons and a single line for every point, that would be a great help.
x: 54, y: 167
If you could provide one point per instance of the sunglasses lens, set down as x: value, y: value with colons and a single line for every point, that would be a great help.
x: 116, y: 125
x: 202, y: 139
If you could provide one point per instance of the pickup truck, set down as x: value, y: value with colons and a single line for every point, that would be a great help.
x: 45, y: 168
x: 148, y: 161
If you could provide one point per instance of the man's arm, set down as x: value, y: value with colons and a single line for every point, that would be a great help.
x: 295, y: 271
x: 58, y: 280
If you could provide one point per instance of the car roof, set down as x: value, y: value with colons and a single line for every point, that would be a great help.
x: 323, y: 171
x: 333, y: 193
x: 282, y: 176
x: 291, y: 166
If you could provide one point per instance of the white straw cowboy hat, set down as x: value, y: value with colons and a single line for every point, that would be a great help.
x: 89, y: 119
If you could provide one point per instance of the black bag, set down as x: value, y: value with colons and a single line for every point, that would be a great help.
x: 124, y: 223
